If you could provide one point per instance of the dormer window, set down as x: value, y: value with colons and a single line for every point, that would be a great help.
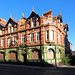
x: 59, y: 25
x: 1, y: 32
x: 33, y: 23
x: 15, y: 28
x: 11, y: 23
x: 9, y: 29
x: 12, y: 29
x: 59, y: 21
x: 65, y: 29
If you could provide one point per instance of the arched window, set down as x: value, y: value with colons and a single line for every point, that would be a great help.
x: 50, y: 54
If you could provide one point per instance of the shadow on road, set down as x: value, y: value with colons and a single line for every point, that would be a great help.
x: 73, y: 60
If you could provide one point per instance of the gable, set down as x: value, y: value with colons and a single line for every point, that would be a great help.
x: 60, y: 18
x: 11, y: 22
x: 66, y: 27
x: 33, y: 15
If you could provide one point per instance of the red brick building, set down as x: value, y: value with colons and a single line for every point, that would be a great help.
x: 46, y: 37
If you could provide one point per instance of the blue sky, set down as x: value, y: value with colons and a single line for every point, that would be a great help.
x: 17, y: 7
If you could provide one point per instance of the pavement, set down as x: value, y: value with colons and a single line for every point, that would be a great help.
x: 67, y: 66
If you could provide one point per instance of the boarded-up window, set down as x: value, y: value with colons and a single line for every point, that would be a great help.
x: 1, y: 56
x: 50, y: 54
x: 12, y: 56
x: 34, y: 55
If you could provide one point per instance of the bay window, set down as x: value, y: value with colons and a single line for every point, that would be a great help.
x: 47, y: 35
x: 51, y: 35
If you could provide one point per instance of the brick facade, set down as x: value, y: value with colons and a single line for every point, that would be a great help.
x: 26, y: 26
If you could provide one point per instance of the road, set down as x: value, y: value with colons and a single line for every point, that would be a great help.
x: 24, y: 70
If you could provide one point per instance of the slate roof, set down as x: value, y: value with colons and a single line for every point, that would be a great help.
x: 1, y: 26
x: 66, y: 25
x: 33, y: 15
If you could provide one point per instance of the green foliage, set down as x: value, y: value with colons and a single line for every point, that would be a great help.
x: 22, y: 45
x: 12, y: 60
x: 66, y: 60
x: 2, y: 60
x: 51, y: 43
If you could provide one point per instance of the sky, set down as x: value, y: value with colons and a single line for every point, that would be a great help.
x: 17, y: 7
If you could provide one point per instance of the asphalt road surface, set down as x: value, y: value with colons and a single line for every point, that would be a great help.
x: 6, y: 69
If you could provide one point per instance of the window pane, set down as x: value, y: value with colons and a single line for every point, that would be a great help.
x: 14, y: 41
x: 2, y: 42
x: 1, y: 32
x: 47, y: 35
x: 58, y: 37
x: 9, y: 29
x: 51, y: 35
x: 23, y: 39
x: 12, y: 29
x: 31, y: 37
x: 33, y: 23
x: 38, y: 36
x: 9, y: 41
